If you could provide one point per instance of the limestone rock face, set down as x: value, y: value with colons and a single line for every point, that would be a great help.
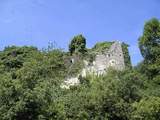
x: 113, y: 58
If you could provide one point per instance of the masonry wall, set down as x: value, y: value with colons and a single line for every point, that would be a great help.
x: 114, y: 58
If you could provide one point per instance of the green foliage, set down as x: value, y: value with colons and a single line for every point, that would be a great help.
x: 150, y: 40
x: 107, y: 97
x: 130, y: 85
x: 149, y: 44
x: 30, y: 83
x: 33, y: 92
x: 14, y: 57
x: 75, y: 68
x: 147, y: 109
x: 127, y: 59
x: 77, y: 45
x: 27, y: 91
x: 102, y: 46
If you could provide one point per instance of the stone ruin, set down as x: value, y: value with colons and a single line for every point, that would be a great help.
x: 113, y: 58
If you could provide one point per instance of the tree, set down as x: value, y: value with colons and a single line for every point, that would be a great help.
x: 78, y: 44
x: 149, y: 44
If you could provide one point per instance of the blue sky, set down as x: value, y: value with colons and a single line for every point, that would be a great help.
x: 36, y: 22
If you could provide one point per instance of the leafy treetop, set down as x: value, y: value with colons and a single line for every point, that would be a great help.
x: 78, y: 45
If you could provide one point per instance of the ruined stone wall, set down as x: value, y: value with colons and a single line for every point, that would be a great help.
x: 113, y: 57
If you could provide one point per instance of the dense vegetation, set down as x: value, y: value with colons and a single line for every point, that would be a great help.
x: 30, y: 84
x: 102, y: 46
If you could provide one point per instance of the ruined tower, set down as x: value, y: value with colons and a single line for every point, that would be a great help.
x: 113, y: 57
x: 110, y: 58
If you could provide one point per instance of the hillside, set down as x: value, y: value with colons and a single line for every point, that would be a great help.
x: 30, y: 82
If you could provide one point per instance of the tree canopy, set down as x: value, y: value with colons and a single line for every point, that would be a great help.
x: 78, y: 44
x: 149, y: 44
